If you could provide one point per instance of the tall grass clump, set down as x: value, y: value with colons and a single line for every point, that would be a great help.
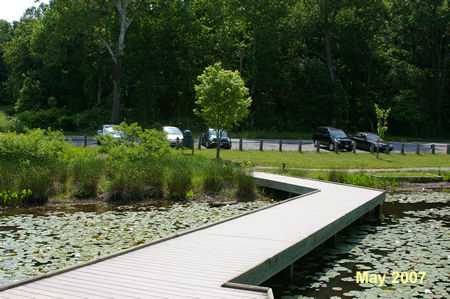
x: 87, y: 169
x: 34, y: 161
x: 179, y: 179
x: 217, y: 175
x: 245, y: 183
x: 6, y: 123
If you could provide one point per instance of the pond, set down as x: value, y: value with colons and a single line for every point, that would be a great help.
x: 34, y: 241
x: 412, y: 238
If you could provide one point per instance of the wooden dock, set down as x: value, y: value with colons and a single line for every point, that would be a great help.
x: 224, y: 260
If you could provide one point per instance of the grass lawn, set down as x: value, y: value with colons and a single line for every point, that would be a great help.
x: 328, y: 160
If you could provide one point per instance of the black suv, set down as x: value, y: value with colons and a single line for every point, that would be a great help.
x: 329, y: 136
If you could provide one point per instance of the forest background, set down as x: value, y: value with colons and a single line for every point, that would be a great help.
x: 306, y: 63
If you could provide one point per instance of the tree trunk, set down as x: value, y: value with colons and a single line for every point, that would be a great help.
x: 115, y: 114
x: 99, y: 91
x: 219, y: 137
x: 331, y: 73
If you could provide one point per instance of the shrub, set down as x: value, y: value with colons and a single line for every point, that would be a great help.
x: 34, y: 160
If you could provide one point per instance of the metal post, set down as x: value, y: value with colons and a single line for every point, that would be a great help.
x: 291, y: 274
x: 336, y: 149
x: 240, y: 144
x: 281, y: 145
x: 200, y: 143
x: 178, y: 143
x: 372, y: 148
x: 418, y: 149
x: 433, y: 149
x: 300, y: 144
x: 354, y: 147
x: 318, y: 147
x: 448, y: 148
x: 261, y: 145
x: 85, y: 140
x: 193, y: 146
x: 388, y: 150
x: 403, y: 149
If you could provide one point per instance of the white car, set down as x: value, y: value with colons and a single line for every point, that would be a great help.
x: 112, y: 130
x: 172, y: 134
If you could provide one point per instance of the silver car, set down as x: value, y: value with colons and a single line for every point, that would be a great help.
x: 172, y: 134
x: 111, y: 130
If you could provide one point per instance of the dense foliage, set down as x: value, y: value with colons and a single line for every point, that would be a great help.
x: 39, y: 164
x: 306, y: 63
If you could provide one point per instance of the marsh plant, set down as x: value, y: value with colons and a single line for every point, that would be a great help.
x: 137, y: 167
x: 87, y: 170
x: 217, y: 175
x: 33, y: 161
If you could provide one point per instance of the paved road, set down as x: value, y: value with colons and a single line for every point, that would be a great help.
x: 292, y: 145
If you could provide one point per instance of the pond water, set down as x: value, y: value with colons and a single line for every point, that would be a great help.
x: 38, y: 240
x: 413, y: 237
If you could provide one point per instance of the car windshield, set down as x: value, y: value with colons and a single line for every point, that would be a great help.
x: 173, y: 130
x: 214, y: 132
x: 111, y: 129
x: 373, y: 137
x: 337, y: 133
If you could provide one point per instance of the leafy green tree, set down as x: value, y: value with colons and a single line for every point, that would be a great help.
x: 222, y: 99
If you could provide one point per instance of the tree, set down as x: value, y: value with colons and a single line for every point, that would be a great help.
x: 222, y: 98
x: 382, y: 115
x: 123, y: 10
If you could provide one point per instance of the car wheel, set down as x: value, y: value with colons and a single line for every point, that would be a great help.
x: 331, y: 147
x: 316, y: 143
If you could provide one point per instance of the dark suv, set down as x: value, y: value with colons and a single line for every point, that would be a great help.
x: 329, y: 136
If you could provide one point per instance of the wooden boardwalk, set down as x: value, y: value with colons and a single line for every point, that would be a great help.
x: 224, y: 260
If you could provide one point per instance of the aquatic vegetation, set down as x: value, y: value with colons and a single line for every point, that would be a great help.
x: 415, y: 240
x: 40, y: 240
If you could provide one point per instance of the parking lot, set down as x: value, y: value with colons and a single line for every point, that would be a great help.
x: 291, y: 145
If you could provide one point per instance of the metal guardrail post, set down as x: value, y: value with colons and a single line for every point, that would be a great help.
x: 433, y: 149
x: 193, y: 146
x: 403, y: 149
x: 240, y: 144
x: 388, y: 150
x: 418, y: 149
x: 300, y: 144
x: 281, y: 145
x: 85, y: 140
x: 178, y: 143
x: 200, y: 143
x: 354, y: 147
x: 448, y: 149
x: 336, y: 148
x: 261, y: 145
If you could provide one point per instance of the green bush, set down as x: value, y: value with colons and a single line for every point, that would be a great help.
x: 6, y: 123
x: 34, y: 160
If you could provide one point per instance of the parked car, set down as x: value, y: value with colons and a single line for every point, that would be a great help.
x: 328, y: 136
x: 209, y: 139
x: 172, y: 134
x: 111, y: 130
x: 364, y: 140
